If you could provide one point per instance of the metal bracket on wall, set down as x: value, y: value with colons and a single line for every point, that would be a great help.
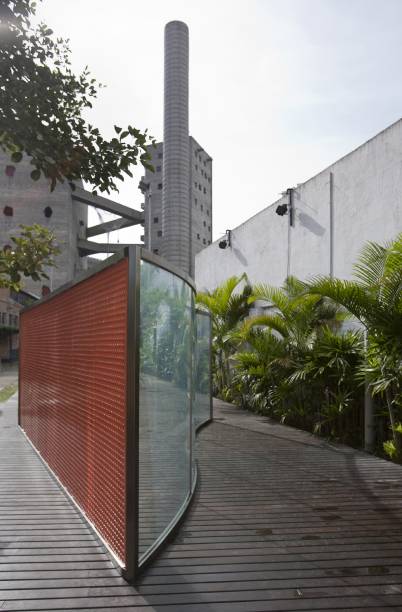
x: 290, y: 206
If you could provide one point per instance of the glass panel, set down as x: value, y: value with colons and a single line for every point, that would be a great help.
x: 166, y: 307
x: 202, y: 405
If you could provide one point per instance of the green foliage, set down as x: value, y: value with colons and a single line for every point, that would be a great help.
x: 227, y: 309
x: 294, y: 364
x: 375, y: 299
x: 30, y: 253
x: 42, y: 103
x: 298, y: 365
x: 390, y: 447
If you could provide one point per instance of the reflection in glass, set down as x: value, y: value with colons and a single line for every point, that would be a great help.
x: 202, y: 375
x: 166, y: 307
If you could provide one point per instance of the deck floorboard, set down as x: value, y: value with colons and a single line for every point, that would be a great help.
x: 281, y: 521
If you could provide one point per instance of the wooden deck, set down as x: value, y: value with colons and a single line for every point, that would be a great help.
x: 281, y: 521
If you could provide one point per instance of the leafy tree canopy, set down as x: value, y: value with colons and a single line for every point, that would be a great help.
x: 27, y: 256
x: 42, y: 104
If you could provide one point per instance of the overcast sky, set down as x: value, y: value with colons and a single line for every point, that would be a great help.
x: 279, y: 89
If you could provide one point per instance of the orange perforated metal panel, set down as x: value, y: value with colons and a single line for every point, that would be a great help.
x: 73, y: 394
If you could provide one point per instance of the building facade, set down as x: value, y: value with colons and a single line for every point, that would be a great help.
x: 27, y: 202
x: 64, y: 212
x: 320, y: 226
x: 199, y: 202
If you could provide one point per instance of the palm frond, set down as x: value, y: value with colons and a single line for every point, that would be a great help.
x: 369, y: 268
x: 273, y: 321
x: 224, y: 292
x: 294, y: 287
x: 274, y: 296
x: 349, y: 294
x: 205, y: 301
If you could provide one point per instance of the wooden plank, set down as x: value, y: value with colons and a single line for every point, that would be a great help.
x: 78, y: 603
x: 55, y: 574
x: 70, y: 592
x: 256, y: 533
x: 50, y: 559
x: 282, y: 521
x: 43, y: 583
x: 237, y: 585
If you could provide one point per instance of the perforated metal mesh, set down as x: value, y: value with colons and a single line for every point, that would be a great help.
x: 73, y: 394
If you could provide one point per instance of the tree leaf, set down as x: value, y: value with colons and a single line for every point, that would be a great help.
x: 16, y: 156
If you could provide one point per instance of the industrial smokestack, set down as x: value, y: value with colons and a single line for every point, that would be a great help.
x: 176, y: 158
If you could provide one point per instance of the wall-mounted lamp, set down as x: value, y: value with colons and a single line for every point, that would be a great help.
x: 284, y: 209
x: 225, y: 242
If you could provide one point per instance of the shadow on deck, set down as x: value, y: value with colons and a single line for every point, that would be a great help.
x: 281, y: 521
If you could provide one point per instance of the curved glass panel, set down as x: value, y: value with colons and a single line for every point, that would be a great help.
x: 166, y: 314
x: 202, y: 370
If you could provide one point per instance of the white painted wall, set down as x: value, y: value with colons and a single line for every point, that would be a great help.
x: 367, y: 205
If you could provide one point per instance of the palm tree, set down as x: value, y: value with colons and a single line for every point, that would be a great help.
x: 329, y: 371
x: 296, y: 316
x: 375, y: 299
x: 227, y: 308
x: 261, y: 365
x: 276, y: 348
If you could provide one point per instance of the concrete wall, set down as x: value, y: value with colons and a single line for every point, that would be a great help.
x: 366, y: 203
x: 28, y: 200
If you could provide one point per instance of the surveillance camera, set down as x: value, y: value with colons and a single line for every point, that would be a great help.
x: 226, y: 241
x: 281, y: 210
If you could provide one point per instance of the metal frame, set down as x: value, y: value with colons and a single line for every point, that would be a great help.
x: 132, y: 412
x: 191, y: 432
x: 211, y: 361
x: 135, y: 254
x: 211, y: 408
x: 169, y: 532
x: 82, y: 276
x: 19, y: 378
x: 166, y: 265
x: 136, y: 565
